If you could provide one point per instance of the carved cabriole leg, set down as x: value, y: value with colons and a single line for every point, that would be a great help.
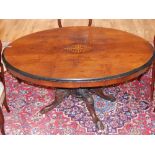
x: 87, y: 97
x: 99, y: 92
x: 2, y: 122
x: 19, y: 80
x: 60, y: 94
x: 139, y: 77
x: 152, y: 83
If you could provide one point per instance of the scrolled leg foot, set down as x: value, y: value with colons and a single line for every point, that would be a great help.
x: 100, y: 126
x: 90, y: 106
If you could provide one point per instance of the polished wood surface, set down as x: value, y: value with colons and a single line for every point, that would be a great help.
x: 75, y: 57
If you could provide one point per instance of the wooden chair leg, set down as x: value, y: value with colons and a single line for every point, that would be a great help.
x: 153, y: 78
x: 2, y: 122
x: 6, y: 105
x: 152, y: 83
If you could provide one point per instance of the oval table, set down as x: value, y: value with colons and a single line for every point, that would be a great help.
x: 79, y: 61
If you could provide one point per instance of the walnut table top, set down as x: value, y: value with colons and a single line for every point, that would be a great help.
x: 74, y: 57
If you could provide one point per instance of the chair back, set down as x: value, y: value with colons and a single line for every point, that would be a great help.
x: 1, y: 65
x: 0, y: 49
x: 60, y: 25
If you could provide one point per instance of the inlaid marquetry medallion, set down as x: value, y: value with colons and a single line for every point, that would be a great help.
x: 78, y: 48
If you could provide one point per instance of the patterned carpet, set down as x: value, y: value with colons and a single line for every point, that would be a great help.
x: 130, y: 114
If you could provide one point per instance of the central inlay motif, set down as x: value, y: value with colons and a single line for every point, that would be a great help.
x: 78, y: 48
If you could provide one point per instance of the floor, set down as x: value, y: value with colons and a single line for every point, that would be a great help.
x: 13, y: 29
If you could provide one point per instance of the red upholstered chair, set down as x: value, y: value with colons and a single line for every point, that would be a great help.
x: 2, y: 94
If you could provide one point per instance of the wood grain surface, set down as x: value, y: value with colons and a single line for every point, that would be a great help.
x: 74, y: 57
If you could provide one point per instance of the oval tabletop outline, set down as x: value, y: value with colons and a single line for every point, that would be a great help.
x: 80, y: 80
